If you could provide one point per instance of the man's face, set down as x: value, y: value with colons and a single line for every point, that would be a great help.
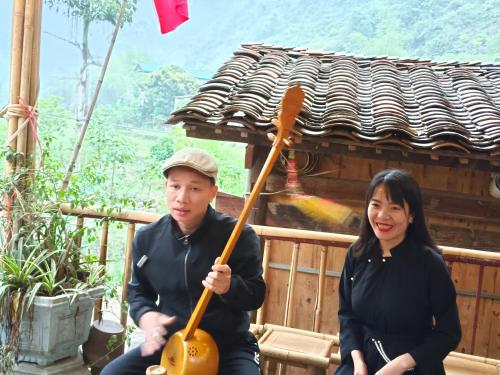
x: 188, y: 195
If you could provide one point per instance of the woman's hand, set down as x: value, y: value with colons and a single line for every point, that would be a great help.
x: 359, y: 363
x: 360, y: 368
x: 398, y: 365
x: 219, y: 280
x: 390, y: 369
x: 154, y: 325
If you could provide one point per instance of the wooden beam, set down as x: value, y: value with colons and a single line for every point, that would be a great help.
x: 249, y: 156
x: 476, y: 161
x: 457, y: 206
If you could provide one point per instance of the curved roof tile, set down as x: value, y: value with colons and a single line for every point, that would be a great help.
x: 412, y: 104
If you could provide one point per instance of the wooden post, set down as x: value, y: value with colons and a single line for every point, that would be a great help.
x: 103, y: 254
x: 258, y: 214
x: 127, y: 272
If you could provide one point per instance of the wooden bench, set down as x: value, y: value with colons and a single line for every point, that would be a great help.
x: 282, y: 345
x: 466, y: 364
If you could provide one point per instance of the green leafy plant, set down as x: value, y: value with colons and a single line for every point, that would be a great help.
x: 7, y: 360
x: 40, y: 252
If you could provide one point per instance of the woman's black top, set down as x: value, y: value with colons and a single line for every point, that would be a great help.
x: 389, y: 306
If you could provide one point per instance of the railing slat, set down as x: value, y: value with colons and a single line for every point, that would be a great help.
x: 321, y: 289
x: 476, y: 307
x: 265, y: 266
x: 103, y: 256
x: 291, y: 283
x: 127, y: 272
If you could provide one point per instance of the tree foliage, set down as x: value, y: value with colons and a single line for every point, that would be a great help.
x: 94, y: 10
x: 158, y: 90
x: 88, y: 12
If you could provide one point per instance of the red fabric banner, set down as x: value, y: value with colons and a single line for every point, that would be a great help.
x: 171, y: 13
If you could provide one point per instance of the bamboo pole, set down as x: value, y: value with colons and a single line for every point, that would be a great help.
x: 88, y: 116
x: 127, y: 272
x: 137, y: 217
x: 281, y: 369
x: 35, y: 82
x: 291, y: 284
x: 24, y: 90
x: 79, y: 227
x: 15, y: 73
x: 265, y: 269
x: 321, y: 289
x: 103, y: 255
x: 78, y: 240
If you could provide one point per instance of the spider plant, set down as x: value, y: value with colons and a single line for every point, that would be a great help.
x: 19, y: 285
x: 39, y: 256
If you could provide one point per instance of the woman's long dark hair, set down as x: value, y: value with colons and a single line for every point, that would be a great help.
x: 400, y: 187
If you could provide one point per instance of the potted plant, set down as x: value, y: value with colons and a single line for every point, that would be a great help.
x: 47, y: 286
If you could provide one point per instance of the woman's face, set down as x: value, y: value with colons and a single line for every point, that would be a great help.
x: 388, y: 220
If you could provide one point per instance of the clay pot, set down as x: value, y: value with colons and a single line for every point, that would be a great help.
x: 96, y: 353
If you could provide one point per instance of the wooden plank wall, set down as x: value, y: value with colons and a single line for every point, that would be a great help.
x: 459, y: 210
x: 302, y: 314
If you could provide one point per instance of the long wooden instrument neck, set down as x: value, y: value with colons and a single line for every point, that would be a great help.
x: 202, y: 304
x: 291, y: 105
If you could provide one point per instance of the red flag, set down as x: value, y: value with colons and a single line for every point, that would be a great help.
x: 171, y: 13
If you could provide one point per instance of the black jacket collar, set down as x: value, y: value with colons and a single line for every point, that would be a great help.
x: 174, y: 227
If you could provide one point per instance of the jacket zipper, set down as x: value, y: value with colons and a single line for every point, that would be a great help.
x: 381, y: 351
x: 185, y: 241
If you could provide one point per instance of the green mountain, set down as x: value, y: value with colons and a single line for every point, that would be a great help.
x: 432, y: 29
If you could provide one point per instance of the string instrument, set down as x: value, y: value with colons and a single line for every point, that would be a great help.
x: 192, y: 351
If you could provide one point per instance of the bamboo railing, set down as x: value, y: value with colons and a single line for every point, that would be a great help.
x: 452, y: 255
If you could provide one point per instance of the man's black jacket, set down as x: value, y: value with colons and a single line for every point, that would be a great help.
x: 168, y: 269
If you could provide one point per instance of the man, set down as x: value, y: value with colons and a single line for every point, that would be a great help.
x: 175, y: 258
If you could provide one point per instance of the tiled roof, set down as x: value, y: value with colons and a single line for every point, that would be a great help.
x: 411, y: 104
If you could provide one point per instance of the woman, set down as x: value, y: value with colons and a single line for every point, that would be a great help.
x: 398, y: 311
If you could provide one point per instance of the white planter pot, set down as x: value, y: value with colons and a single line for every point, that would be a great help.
x: 56, y: 328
